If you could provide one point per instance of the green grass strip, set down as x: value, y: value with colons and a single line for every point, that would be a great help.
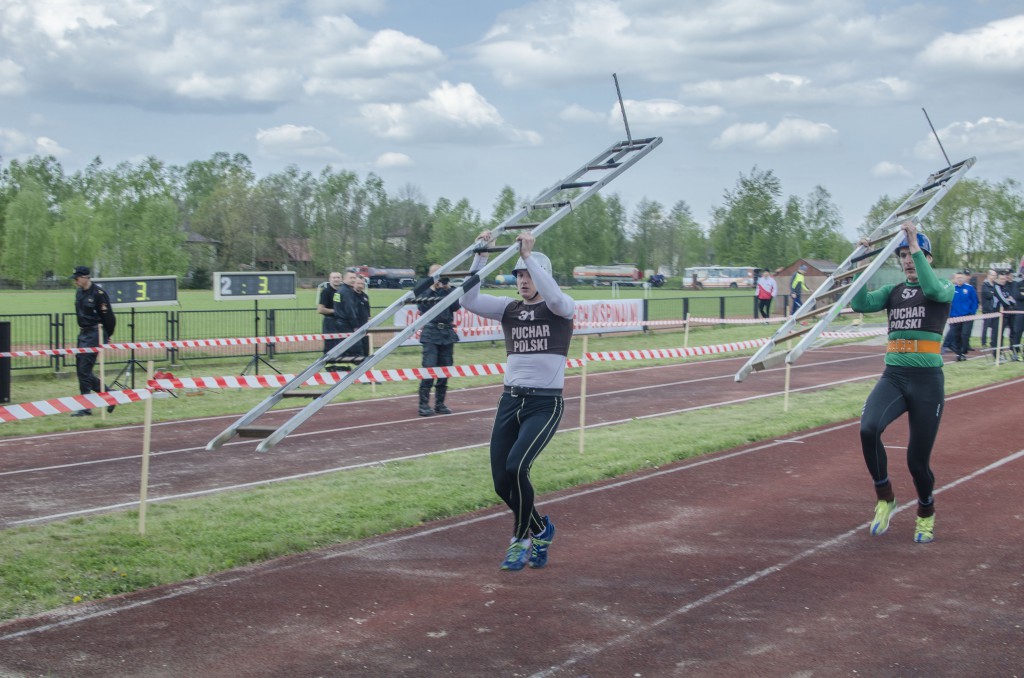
x: 48, y: 566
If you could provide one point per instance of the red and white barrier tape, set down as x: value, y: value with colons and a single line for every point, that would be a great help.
x: 651, y: 354
x: 43, y: 408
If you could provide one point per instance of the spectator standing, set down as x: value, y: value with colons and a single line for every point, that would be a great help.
x: 989, y: 326
x: 1004, y: 301
x: 325, y: 307
x: 94, y: 312
x: 766, y: 291
x: 797, y: 287
x: 965, y: 303
x: 1017, y: 319
x: 438, y: 339
x: 351, y: 307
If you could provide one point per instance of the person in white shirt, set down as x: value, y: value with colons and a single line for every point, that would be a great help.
x: 766, y: 291
x: 538, y: 328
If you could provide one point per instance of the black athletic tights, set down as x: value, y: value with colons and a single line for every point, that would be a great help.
x: 920, y: 392
x: 522, y: 427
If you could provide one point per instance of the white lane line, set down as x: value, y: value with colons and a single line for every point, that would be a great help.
x: 280, y: 565
x: 342, y: 429
x: 380, y: 462
x: 746, y: 581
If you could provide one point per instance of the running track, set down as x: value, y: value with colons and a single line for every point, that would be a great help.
x: 54, y: 476
x: 753, y: 561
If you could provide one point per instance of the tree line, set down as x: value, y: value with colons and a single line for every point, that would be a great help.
x: 147, y: 218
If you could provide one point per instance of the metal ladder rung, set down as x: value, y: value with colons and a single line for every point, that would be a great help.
x: 577, y: 184
x: 302, y: 394
x: 770, y: 361
x: 852, y: 272
x: 546, y: 200
x: 607, y: 165
x: 255, y: 431
x: 837, y: 290
x: 794, y: 334
x: 487, y: 250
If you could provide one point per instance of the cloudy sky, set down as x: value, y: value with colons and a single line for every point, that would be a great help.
x: 459, y: 98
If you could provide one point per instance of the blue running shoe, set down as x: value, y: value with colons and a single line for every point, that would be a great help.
x: 541, y: 542
x: 517, y: 554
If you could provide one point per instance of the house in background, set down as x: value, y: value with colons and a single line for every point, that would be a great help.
x: 817, y: 271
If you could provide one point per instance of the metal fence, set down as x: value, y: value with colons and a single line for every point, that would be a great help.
x: 54, y: 331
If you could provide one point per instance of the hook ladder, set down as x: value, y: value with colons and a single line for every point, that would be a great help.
x: 554, y: 203
x: 850, y: 276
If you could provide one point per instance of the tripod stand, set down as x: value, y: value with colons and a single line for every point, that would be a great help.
x: 256, y: 359
x: 129, y: 366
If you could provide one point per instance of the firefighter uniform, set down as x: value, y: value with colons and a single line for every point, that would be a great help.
x: 93, y: 310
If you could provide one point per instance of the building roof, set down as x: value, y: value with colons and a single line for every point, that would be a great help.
x: 297, y: 249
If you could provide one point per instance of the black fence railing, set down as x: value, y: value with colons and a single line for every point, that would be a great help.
x: 45, y: 331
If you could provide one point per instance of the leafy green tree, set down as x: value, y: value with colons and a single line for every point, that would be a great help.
x: 75, y: 236
x: 453, y: 228
x: 743, y: 229
x: 28, y: 222
x: 689, y: 244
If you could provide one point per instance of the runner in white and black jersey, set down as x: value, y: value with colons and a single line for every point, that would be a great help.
x: 538, y: 329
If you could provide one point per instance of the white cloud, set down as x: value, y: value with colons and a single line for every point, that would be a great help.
x: 782, y: 87
x: 657, y: 113
x: 790, y: 133
x: 668, y: 40
x: 996, y: 47
x: 219, y: 56
x: 15, y: 144
x: 285, y: 141
x: 449, y: 112
x: 393, y: 160
x: 987, y: 136
x: 889, y: 170
x: 12, y: 82
x: 578, y: 114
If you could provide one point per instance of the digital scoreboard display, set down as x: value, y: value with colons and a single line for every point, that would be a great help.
x: 161, y: 290
x: 254, y: 285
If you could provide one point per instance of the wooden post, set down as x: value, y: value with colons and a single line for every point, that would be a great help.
x: 147, y: 434
x: 373, y: 384
x: 583, y: 394
x: 686, y: 331
x: 999, y: 339
x: 103, y: 379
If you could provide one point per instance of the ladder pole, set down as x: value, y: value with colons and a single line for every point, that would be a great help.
x: 607, y: 163
x: 936, y: 187
x: 622, y: 107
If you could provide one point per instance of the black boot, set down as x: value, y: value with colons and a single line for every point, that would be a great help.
x: 439, y: 393
x: 425, y: 410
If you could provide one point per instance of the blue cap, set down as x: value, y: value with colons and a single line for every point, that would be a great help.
x: 922, y: 241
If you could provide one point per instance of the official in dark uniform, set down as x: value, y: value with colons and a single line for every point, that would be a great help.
x: 438, y: 339
x: 93, y: 309
x: 352, y: 310
x: 325, y: 307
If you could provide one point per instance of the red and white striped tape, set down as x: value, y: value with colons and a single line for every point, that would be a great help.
x: 43, y: 408
x: 651, y: 354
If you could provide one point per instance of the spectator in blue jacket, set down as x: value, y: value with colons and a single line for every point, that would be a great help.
x: 965, y: 302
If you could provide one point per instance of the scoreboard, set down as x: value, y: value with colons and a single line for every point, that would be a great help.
x: 159, y: 290
x: 254, y: 285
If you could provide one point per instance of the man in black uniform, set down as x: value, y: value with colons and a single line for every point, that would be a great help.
x: 92, y: 306
x: 438, y: 339
x: 352, y: 310
x: 325, y: 307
